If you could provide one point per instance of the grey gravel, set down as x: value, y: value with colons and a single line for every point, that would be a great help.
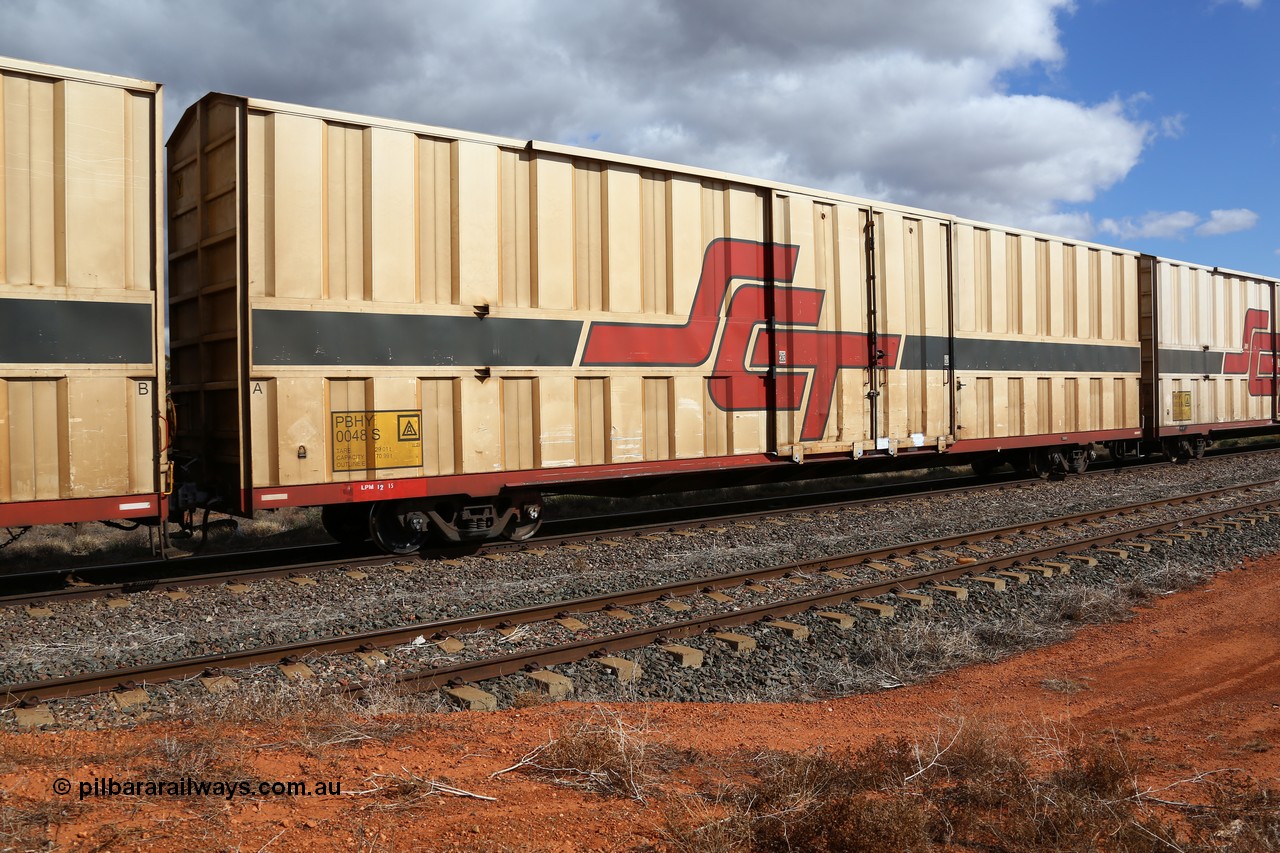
x: 88, y: 635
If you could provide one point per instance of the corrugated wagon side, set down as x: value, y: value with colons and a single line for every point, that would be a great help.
x: 377, y: 316
x: 948, y: 335
x: 419, y: 328
x: 1209, y: 336
x: 81, y: 329
x: 422, y: 329
x: 1046, y: 349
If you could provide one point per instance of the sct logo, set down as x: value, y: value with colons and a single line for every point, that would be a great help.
x: 1255, y: 358
x: 808, y: 359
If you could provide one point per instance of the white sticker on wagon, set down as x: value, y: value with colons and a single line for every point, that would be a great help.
x: 282, y: 496
x: 142, y: 505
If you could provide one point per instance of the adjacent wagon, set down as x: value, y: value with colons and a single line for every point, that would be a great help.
x: 1209, y: 343
x: 82, y: 385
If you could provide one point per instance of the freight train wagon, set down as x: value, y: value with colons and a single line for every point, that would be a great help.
x: 81, y: 326
x: 425, y: 330
x: 1209, y: 339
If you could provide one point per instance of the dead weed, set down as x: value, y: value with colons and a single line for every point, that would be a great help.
x: 982, y: 788
x: 605, y: 754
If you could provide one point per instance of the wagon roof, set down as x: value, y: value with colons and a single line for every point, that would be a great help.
x: 576, y: 152
x: 40, y: 69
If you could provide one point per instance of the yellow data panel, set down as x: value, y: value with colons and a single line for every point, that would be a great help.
x: 368, y: 440
x: 1182, y: 405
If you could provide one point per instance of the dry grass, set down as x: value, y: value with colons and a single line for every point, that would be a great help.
x: 1063, y: 685
x: 1242, y: 815
x: 606, y: 755
x: 1256, y: 745
x: 977, y: 788
x: 315, y: 720
x: 216, y: 745
x: 406, y: 789
x: 896, y: 653
x: 30, y: 825
x: 197, y: 752
x: 905, y: 652
x: 55, y: 753
x: 201, y: 752
x: 1089, y: 605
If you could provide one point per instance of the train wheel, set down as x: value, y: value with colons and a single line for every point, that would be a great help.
x: 1041, y: 463
x: 1080, y: 463
x: 347, y: 523
x: 521, y: 532
x: 391, y: 531
x: 528, y: 519
x: 1178, y: 451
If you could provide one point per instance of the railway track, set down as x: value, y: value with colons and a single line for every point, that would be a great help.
x: 49, y: 586
x: 912, y: 572
x: 68, y: 584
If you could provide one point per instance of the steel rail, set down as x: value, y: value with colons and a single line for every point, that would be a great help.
x: 88, y: 683
x: 99, y: 581
x: 571, y: 652
x: 74, y: 584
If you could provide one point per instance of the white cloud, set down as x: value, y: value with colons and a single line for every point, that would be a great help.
x: 1153, y: 224
x: 1178, y: 224
x: 852, y: 97
x: 1172, y: 127
x: 1228, y: 221
x: 1078, y: 225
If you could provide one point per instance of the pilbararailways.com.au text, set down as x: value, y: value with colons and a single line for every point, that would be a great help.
x: 228, y: 789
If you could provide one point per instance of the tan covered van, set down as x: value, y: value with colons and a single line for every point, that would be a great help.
x: 81, y: 324
x: 1211, y: 349
x: 426, y: 329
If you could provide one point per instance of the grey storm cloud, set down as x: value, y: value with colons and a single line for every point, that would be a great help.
x: 852, y: 97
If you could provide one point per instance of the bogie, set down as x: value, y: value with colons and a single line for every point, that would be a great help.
x: 1182, y: 449
x: 1046, y: 462
x: 397, y: 529
x: 405, y: 526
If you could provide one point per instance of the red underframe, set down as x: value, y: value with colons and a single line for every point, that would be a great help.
x: 28, y: 513
x: 1200, y: 429
x: 493, y: 483
x: 977, y: 445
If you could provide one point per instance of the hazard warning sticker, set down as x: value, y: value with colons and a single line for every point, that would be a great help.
x: 369, y: 440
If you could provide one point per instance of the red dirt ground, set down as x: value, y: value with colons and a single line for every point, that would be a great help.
x: 1192, y: 682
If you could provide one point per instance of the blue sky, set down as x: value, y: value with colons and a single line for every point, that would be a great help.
x: 1208, y: 72
x: 1145, y: 124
